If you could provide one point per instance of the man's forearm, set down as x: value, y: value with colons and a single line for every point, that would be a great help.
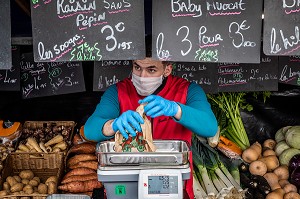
x: 107, y: 129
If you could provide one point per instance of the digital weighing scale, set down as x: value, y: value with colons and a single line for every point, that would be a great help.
x: 144, y: 175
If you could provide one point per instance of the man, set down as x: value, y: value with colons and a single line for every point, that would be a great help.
x: 176, y: 107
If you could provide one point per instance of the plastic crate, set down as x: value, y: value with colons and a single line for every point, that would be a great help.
x: 50, y: 164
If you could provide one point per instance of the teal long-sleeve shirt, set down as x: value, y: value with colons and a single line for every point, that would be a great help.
x: 197, y: 115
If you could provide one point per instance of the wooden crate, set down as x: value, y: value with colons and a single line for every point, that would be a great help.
x: 50, y: 164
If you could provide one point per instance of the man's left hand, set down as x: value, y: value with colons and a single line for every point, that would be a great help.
x: 158, y: 106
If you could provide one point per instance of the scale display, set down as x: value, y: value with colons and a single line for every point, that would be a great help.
x: 162, y: 185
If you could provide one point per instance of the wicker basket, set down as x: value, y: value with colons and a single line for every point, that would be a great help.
x: 40, y: 124
x: 50, y: 164
x: 37, y: 128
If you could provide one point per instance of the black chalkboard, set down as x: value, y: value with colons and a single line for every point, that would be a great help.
x: 10, y: 78
x: 5, y: 35
x: 107, y: 73
x: 85, y: 30
x: 281, y: 27
x: 207, y: 31
x: 203, y: 74
x: 51, y: 78
x: 289, y: 70
x: 235, y: 77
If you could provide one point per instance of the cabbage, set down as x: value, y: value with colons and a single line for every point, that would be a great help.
x: 287, y: 155
x: 292, y: 137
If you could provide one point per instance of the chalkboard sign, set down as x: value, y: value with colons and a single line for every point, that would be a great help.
x: 207, y: 31
x: 234, y: 77
x: 289, y: 70
x: 51, y: 78
x: 107, y: 73
x: 281, y: 27
x: 203, y: 74
x: 10, y: 78
x: 5, y: 35
x: 85, y: 30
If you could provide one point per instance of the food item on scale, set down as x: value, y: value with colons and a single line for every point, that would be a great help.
x: 142, y: 142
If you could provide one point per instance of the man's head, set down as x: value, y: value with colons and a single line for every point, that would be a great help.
x: 151, y: 68
x: 148, y: 74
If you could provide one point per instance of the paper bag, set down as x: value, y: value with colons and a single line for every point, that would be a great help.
x: 142, y: 142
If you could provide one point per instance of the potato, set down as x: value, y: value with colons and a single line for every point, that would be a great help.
x: 16, y: 187
x: 42, y: 188
x: 51, y: 187
x: 11, y: 181
x: 25, y: 181
x: 3, y: 193
x: 18, y: 179
x: 28, y: 189
x: 26, y: 174
x: 37, y: 179
x: 6, y: 186
x: 16, y: 193
x: 51, y: 179
x: 33, y: 183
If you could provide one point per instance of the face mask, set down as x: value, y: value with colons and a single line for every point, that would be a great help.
x: 146, y: 85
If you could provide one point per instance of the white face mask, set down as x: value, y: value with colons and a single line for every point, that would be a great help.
x: 146, y: 85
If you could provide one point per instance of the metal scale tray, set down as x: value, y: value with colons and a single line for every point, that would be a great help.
x: 174, y: 153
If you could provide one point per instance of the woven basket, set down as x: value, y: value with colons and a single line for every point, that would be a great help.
x: 50, y: 164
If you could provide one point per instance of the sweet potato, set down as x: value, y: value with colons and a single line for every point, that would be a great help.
x: 80, y: 186
x: 87, y: 164
x: 92, y: 176
x: 80, y: 158
x: 79, y: 171
x: 85, y: 147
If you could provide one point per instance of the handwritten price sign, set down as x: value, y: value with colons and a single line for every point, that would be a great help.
x: 87, y: 30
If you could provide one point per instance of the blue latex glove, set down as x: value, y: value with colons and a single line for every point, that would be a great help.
x: 126, y: 122
x: 157, y: 106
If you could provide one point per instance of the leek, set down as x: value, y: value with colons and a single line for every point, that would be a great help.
x: 197, y: 188
x: 199, y: 163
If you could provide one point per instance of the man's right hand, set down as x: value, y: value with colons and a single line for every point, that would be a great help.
x: 126, y: 122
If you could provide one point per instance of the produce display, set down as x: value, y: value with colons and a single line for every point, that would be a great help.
x: 56, y: 144
x: 276, y: 162
x: 27, y: 183
x: 81, y: 166
x: 45, y: 132
x: 222, y: 168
